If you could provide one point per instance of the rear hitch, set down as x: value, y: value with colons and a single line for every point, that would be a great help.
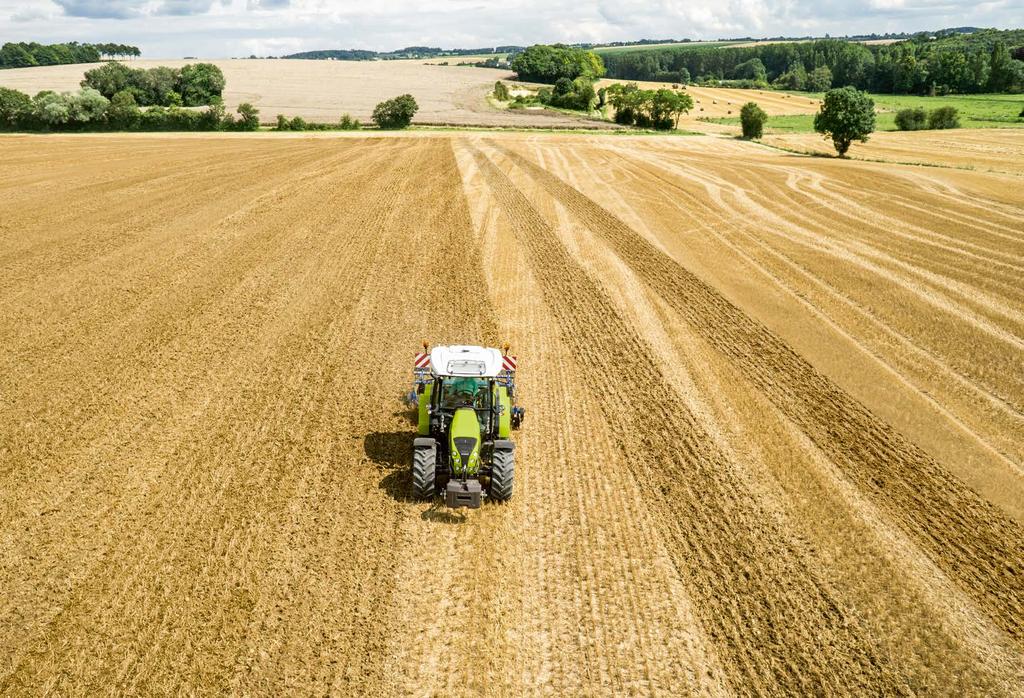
x: 463, y: 493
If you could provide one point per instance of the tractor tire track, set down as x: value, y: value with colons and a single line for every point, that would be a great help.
x: 968, y: 538
x: 781, y: 628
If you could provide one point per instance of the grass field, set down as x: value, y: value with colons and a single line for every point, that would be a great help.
x: 976, y: 111
x: 774, y: 435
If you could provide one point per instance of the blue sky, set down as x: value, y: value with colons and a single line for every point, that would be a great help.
x: 222, y: 28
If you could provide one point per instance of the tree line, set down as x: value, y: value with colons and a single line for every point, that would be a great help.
x: 193, y: 85
x: 549, y: 63
x: 27, y: 55
x: 658, y: 109
x: 402, y: 53
x: 984, y: 61
x: 88, y: 110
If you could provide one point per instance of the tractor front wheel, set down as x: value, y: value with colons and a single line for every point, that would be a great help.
x: 424, y: 468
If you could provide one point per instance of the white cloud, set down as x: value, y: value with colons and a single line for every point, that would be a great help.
x: 214, y: 28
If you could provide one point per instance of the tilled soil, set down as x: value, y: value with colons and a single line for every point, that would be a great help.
x: 775, y: 408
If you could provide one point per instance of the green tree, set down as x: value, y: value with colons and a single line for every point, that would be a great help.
x: 14, y: 107
x: 123, y: 112
x: 911, y: 119
x: 752, y: 120
x: 160, y: 85
x: 395, y: 113
x: 200, y: 83
x: 250, y: 117
x: 751, y: 70
x: 626, y: 101
x: 544, y: 63
x: 1001, y: 69
x: 795, y: 77
x: 501, y: 91
x: 846, y: 115
x: 16, y: 56
x: 283, y: 124
x: 109, y: 79
x: 666, y: 106
x: 819, y: 79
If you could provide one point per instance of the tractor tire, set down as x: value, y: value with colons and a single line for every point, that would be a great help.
x: 503, y: 469
x: 424, y: 468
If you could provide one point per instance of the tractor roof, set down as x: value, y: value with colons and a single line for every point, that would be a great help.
x: 465, y: 361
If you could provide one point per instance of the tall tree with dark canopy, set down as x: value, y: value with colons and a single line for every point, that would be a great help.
x: 846, y: 115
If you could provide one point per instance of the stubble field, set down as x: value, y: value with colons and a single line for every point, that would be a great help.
x: 324, y: 90
x: 775, y: 416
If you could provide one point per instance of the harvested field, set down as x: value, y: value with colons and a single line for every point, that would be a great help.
x: 985, y: 150
x: 324, y: 90
x: 775, y: 416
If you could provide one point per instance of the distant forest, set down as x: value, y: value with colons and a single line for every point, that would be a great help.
x: 952, y: 61
x: 407, y: 52
x: 26, y: 55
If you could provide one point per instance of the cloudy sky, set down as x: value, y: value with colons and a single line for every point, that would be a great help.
x: 222, y: 28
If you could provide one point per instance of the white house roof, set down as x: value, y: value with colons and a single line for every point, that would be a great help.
x: 465, y: 361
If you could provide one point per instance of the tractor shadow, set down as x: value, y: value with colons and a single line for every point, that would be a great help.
x: 392, y: 452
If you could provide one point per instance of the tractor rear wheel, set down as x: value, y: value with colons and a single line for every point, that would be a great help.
x: 424, y: 468
x: 503, y: 467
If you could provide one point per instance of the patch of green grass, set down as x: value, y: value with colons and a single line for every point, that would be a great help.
x: 976, y: 111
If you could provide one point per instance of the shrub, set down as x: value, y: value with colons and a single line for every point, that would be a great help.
x: 123, y: 112
x: 846, y: 115
x: 86, y: 105
x: 563, y: 86
x: 15, y: 106
x: 752, y: 120
x: 501, y: 92
x: 50, y: 109
x: 911, y: 119
x: 575, y: 94
x: 283, y: 124
x: 395, y: 113
x: 250, y: 117
x: 350, y: 124
x: 298, y: 124
x: 944, y: 117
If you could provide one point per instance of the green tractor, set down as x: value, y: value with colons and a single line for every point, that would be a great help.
x: 465, y: 402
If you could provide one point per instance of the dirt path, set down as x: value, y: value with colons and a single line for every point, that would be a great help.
x: 772, y: 435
